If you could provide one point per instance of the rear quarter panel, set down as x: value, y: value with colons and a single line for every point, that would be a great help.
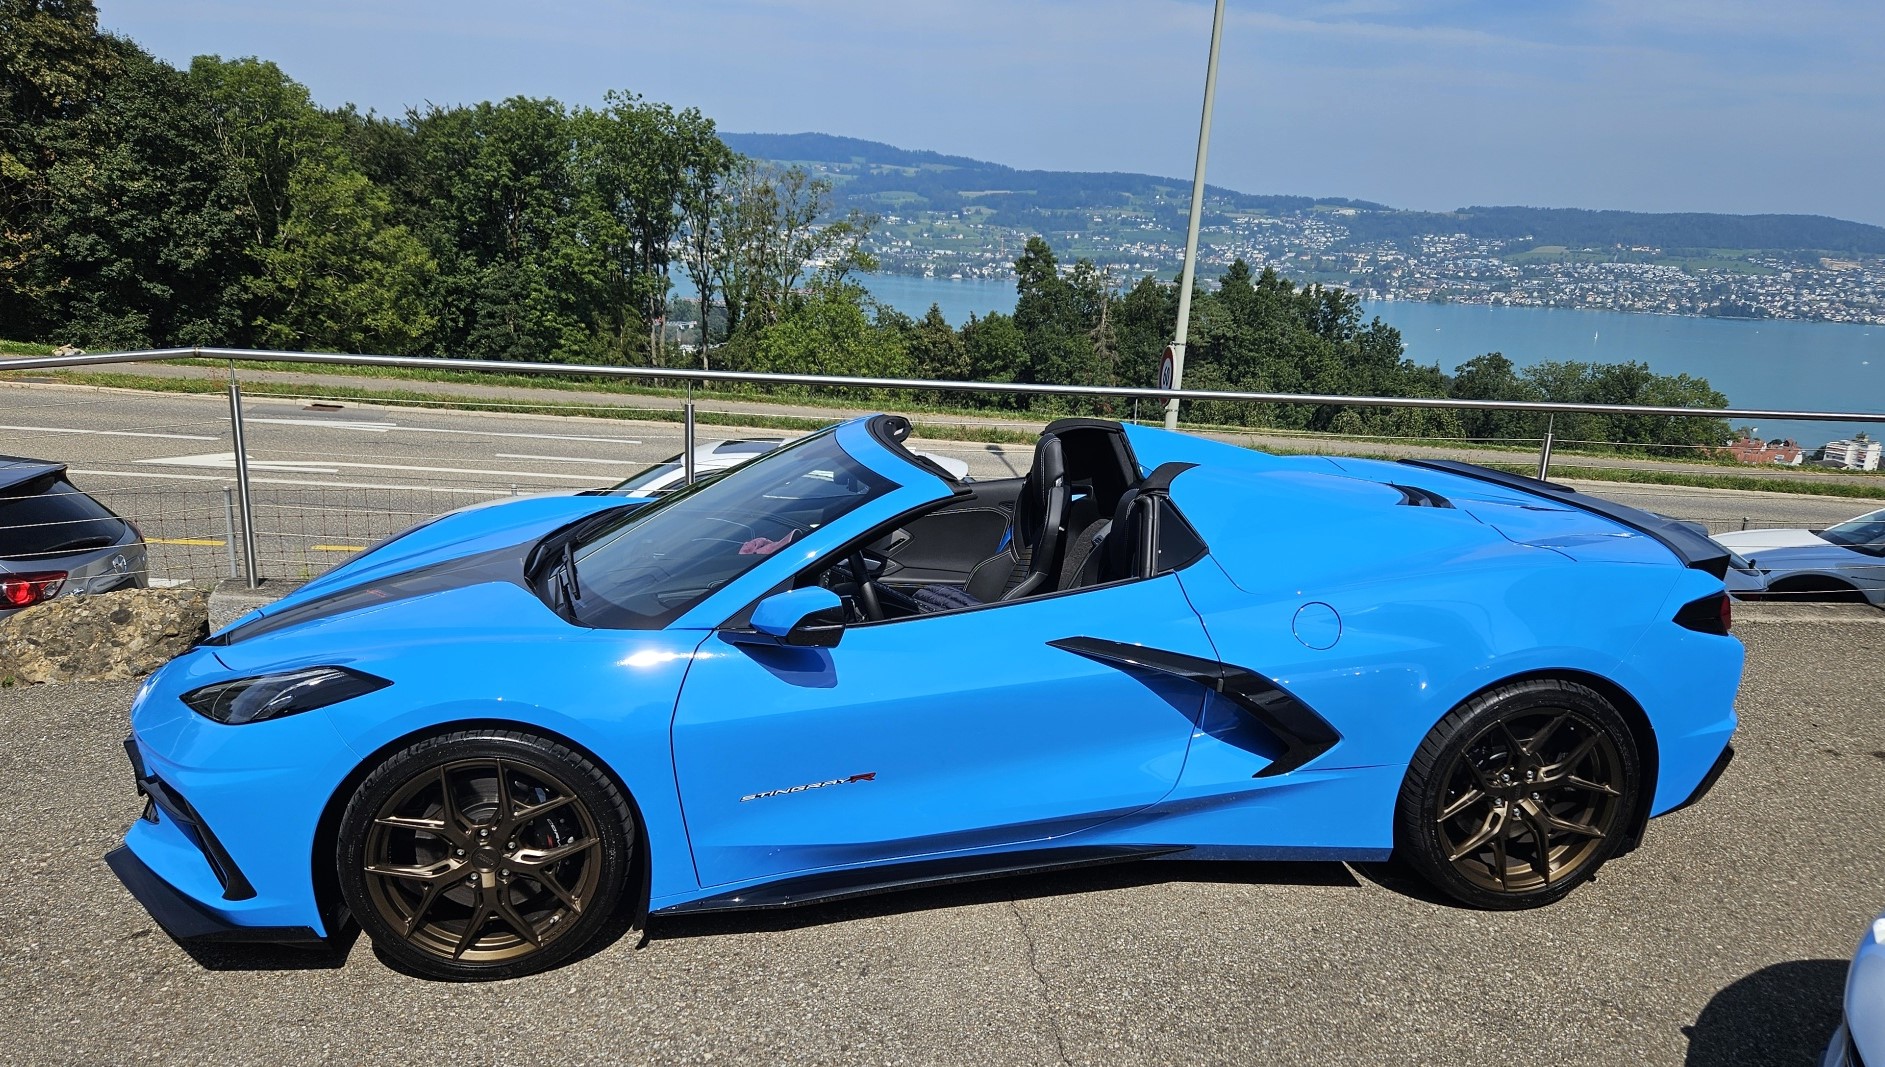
x: 1422, y: 631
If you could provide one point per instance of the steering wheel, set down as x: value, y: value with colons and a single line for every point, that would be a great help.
x: 866, y: 588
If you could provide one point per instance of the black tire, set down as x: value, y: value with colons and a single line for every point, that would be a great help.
x: 451, y: 881
x: 1815, y: 590
x: 1519, y: 795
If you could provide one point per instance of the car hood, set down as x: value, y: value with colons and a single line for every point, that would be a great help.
x: 364, y: 625
x: 1750, y: 541
x: 458, y: 546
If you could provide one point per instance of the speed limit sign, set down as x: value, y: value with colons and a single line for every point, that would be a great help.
x: 1165, y: 369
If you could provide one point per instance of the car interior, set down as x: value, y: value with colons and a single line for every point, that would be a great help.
x: 1080, y: 517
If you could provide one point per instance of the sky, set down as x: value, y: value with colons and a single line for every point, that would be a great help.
x: 1647, y: 105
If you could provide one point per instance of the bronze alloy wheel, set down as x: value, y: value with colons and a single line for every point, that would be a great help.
x: 483, y: 856
x: 1519, y: 794
x: 1529, y: 801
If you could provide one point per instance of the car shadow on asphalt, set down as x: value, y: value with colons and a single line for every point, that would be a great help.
x: 1001, y: 889
x: 224, y: 956
x: 1782, y: 1014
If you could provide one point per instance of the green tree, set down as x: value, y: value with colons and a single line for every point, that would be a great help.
x: 54, y: 67
x: 522, y: 274
x: 330, y: 268
x: 828, y: 332
x: 1492, y: 377
x: 141, y: 238
x: 936, y: 350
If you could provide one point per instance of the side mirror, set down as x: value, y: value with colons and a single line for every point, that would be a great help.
x: 811, y: 617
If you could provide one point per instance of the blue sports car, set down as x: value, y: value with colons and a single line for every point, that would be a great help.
x: 500, y: 738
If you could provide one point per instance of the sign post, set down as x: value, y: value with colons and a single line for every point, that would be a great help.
x: 1176, y: 353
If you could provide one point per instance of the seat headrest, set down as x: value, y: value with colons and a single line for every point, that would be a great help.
x: 1045, y: 476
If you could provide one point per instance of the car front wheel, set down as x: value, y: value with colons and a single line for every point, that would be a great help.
x: 485, y: 854
x: 1519, y: 794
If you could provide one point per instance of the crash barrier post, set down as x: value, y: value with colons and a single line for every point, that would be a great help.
x: 242, y: 479
x: 687, y: 437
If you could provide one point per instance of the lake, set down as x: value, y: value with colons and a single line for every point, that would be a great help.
x: 1771, y: 364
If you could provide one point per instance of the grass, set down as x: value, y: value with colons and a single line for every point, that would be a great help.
x: 22, y: 348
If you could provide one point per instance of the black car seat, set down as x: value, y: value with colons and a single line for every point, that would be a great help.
x: 1030, y: 562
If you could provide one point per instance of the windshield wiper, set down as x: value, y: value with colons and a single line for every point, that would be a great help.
x: 82, y: 542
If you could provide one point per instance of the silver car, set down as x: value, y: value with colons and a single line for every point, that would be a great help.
x: 56, y: 541
x: 1845, y: 562
x: 1860, y: 1038
x: 669, y: 475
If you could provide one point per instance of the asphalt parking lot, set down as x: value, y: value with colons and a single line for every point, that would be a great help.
x: 1721, y: 941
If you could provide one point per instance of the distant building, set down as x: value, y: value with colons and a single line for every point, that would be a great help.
x: 1859, y: 454
x: 1755, y: 450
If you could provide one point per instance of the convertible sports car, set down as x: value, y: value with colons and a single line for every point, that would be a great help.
x: 501, y: 736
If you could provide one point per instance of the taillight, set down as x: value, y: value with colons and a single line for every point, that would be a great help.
x: 25, y: 590
x: 1713, y: 614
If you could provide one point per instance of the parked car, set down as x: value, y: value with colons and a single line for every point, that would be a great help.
x: 669, y: 474
x: 1861, y: 1035
x: 1844, y: 562
x: 837, y: 670
x: 56, y: 541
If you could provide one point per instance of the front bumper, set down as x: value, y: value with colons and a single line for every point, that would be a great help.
x: 183, y: 918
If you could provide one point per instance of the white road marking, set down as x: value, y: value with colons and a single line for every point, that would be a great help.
x: 111, y: 433
x: 332, y: 424
x: 227, y: 461
x: 383, y: 427
x: 558, y: 459
x: 229, y: 480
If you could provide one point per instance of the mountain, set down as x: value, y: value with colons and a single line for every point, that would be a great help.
x: 884, y: 179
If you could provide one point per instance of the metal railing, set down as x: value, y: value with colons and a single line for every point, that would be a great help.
x: 244, y: 503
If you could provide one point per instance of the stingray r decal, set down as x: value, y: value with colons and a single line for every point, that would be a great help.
x: 871, y: 777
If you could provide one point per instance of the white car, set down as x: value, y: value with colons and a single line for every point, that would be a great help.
x: 1844, y: 562
x: 669, y: 474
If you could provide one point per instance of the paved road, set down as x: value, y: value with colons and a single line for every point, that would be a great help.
x: 330, y: 480
x: 316, y: 382
x: 1722, y: 941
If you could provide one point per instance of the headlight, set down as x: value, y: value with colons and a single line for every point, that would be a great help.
x: 271, y: 696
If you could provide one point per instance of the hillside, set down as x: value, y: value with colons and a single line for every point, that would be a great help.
x: 881, y: 178
x: 946, y: 216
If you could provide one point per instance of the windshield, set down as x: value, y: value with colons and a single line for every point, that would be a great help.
x: 645, y: 568
x: 1864, y: 531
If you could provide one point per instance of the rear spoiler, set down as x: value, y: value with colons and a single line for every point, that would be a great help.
x: 1692, y: 548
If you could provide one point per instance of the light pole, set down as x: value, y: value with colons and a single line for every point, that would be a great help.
x: 1191, y: 230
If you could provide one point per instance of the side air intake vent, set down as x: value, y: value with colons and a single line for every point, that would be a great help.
x: 1415, y: 497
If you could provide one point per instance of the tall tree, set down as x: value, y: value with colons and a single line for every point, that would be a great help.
x: 330, y: 268
x: 142, y: 239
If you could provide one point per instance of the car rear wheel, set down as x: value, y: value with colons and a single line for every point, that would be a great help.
x: 1821, y: 590
x: 1519, y: 795
x: 485, y: 854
